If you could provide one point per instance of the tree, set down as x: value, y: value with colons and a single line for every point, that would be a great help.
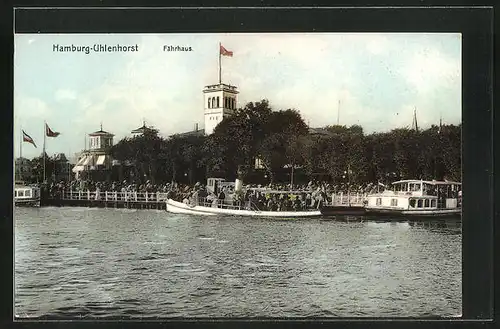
x: 37, y: 168
x: 191, y: 150
x: 271, y: 151
x: 143, y: 151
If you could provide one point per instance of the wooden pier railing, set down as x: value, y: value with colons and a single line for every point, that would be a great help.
x: 158, y: 199
x: 114, y: 196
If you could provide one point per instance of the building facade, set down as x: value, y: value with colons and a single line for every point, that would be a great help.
x: 61, y: 170
x: 22, y: 168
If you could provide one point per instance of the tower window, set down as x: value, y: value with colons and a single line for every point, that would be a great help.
x: 213, y: 102
x: 217, y: 101
x: 209, y: 102
x: 225, y: 103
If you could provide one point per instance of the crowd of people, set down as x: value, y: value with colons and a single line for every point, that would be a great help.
x: 274, y: 197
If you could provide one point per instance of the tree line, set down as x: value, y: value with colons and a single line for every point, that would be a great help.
x: 285, y: 148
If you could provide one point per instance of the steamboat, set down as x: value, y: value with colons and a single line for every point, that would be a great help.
x: 417, y: 198
x: 231, y: 206
x: 27, y: 196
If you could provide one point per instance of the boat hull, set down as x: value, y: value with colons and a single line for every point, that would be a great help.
x: 343, y: 211
x: 27, y: 203
x: 434, y: 213
x: 182, y: 208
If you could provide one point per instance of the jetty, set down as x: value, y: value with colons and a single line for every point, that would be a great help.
x: 131, y: 200
x: 342, y: 203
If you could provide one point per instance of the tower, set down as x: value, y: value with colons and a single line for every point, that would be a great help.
x: 220, y: 102
x: 100, y: 140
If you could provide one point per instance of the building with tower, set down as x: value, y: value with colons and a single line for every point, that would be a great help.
x: 221, y: 100
x: 95, y: 162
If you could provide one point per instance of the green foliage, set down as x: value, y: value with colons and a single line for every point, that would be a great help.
x: 37, y: 169
x: 281, y: 140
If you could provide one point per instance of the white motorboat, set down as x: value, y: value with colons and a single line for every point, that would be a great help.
x: 26, y: 195
x: 225, y: 209
x: 417, y: 198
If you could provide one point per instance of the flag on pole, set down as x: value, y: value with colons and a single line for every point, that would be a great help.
x: 225, y: 52
x: 27, y: 138
x: 49, y: 132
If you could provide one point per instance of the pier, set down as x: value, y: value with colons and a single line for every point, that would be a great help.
x: 131, y: 200
x: 155, y: 200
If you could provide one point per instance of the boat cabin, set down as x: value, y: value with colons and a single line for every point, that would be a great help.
x: 25, y: 193
x: 214, y: 185
x: 423, y: 188
x: 418, y: 195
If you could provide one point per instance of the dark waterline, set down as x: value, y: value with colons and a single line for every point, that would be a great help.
x: 81, y: 262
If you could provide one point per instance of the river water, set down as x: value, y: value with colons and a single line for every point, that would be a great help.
x: 81, y: 262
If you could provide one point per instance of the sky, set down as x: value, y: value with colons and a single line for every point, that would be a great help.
x: 373, y: 80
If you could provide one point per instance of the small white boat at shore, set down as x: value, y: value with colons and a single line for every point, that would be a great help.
x: 183, y: 208
x: 28, y: 196
x: 417, y: 198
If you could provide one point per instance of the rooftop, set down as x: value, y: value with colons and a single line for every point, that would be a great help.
x: 197, y: 132
x: 101, y: 133
x: 320, y: 131
x: 60, y: 157
x: 143, y: 129
x: 221, y: 86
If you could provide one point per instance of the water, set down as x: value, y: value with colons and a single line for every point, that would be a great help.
x: 80, y: 262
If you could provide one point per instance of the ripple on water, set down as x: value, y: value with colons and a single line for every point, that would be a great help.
x: 126, y: 264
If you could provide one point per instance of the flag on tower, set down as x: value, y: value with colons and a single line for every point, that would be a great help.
x: 27, y: 138
x: 225, y: 52
x: 49, y: 132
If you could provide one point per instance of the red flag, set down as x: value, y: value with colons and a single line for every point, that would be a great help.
x: 27, y: 138
x: 225, y: 52
x: 49, y: 132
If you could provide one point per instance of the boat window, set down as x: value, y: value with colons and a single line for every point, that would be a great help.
x: 419, y: 203
x: 415, y: 187
x: 379, y: 201
x: 27, y: 193
x: 429, y: 190
x: 427, y: 203
x: 413, y: 202
x: 433, y: 203
x: 394, y: 202
x: 15, y: 193
x: 401, y: 188
x: 20, y: 193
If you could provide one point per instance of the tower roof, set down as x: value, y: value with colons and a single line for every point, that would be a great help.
x: 143, y: 129
x: 101, y: 133
x: 219, y: 87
